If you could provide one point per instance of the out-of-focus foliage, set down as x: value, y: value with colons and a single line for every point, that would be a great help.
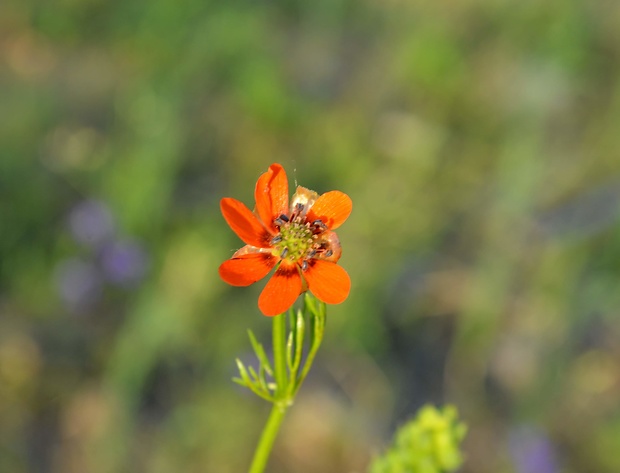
x: 479, y: 143
x: 429, y: 443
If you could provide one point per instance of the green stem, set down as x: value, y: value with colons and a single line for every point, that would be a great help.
x: 261, y: 455
x: 287, y: 383
x: 279, y: 354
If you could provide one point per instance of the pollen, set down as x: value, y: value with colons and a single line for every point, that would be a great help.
x: 294, y: 241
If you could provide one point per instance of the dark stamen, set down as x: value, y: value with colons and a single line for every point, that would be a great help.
x: 304, y: 265
x: 328, y: 253
x: 276, y: 239
x: 281, y: 220
x: 284, y: 253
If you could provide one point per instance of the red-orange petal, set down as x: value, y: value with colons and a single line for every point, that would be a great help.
x: 327, y: 281
x: 244, y: 223
x: 247, y: 269
x: 281, y: 291
x: 332, y: 208
x: 271, y: 194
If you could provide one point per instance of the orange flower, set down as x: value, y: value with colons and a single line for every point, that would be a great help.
x: 297, y: 240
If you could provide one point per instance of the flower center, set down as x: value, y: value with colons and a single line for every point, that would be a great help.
x: 294, y: 241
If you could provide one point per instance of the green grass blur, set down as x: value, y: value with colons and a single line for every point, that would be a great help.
x: 480, y: 143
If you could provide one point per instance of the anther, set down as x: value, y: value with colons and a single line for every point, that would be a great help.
x: 284, y: 253
x: 304, y: 265
x: 281, y: 220
x: 328, y: 253
x: 276, y: 239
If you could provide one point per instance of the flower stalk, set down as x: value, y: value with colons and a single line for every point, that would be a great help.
x: 270, y: 432
x: 279, y: 360
x: 296, y: 239
x: 299, y: 333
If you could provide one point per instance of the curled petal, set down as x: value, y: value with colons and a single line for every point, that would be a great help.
x: 331, y: 244
x: 247, y: 269
x: 282, y: 290
x: 271, y: 194
x: 332, y: 208
x: 244, y: 223
x: 249, y: 249
x: 327, y: 281
x: 302, y: 200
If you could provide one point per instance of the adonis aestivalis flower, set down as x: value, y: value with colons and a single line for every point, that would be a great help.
x: 297, y: 239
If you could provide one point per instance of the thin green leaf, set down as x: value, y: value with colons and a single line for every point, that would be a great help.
x: 260, y: 353
x: 263, y: 381
x: 266, y: 396
x: 317, y: 338
x: 243, y: 372
x: 240, y: 382
x: 245, y: 381
x: 253, y: 374
x: 289, y: 352
x: 300, y: 327
x: 310, y: 304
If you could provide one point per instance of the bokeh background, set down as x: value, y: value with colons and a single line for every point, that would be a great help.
x: 480, y: 143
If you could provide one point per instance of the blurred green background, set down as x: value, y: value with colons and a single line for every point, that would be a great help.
x: 480, y: 143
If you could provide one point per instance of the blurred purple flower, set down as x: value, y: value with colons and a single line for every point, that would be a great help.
x: 532, y: 451
x: 78, y: 283
x: 124, y: 262
x: 91, y: 223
